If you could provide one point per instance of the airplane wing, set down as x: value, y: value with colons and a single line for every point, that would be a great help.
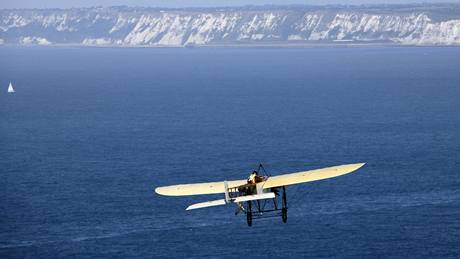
x: 273, y: 181
x: 310, y: 176
x: 197, y: 188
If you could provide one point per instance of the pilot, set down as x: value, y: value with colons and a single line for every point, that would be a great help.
x: 252, y: 177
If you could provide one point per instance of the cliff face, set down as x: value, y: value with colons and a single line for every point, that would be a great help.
x: 122, y: 26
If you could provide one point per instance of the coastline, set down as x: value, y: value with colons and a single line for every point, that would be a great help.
x: 237, y: 45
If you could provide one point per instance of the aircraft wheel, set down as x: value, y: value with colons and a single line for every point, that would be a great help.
x: 284, y: 198
x: 249, y: 218
x: 284, y: 215
x: 249, y: 214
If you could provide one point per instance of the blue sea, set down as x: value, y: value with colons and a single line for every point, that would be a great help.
x: 90, y: 132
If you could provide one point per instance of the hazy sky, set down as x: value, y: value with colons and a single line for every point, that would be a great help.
x: 184, y: 3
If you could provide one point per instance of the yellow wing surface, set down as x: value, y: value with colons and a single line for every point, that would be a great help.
x: 197, y: 188
x: 273, y: 181
x: 310, y: 176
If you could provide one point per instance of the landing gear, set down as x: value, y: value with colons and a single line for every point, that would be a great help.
x: 284, y: 208
x: 249, y: 214
x: 284, y: 215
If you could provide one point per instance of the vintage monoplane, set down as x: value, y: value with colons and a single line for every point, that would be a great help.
x: 259, y: 195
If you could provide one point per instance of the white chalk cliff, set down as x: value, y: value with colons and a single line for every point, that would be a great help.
x: 430, y: 24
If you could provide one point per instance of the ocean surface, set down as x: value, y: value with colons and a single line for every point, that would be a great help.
x: 90, y: 132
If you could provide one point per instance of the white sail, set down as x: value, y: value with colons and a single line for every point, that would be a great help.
x: 10, y: 88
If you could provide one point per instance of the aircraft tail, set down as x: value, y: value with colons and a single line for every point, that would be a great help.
x: 206, y: 204
x: 268, y: 195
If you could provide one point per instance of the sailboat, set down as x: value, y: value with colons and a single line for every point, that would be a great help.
x: 10, y: 88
